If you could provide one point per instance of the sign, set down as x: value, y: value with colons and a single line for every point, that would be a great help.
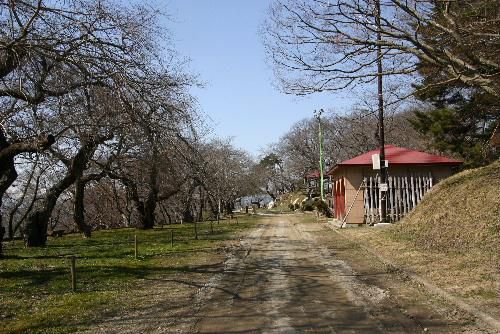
x: 383, y: 187
x: 376, y: 161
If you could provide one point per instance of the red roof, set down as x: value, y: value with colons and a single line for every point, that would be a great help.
x: 400, y: 156
x: 314, y: 175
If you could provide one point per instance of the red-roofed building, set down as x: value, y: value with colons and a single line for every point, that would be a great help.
x: 411, y: 174
x: 312, y: 183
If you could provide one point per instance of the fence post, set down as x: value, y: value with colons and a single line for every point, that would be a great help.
x: 135, y: 246
x: 172, y: 238
x: 211, y: 226
x: 195, y: 231
x: 73, y: 273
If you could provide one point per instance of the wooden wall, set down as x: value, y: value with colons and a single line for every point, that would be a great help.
x: 400, y: 176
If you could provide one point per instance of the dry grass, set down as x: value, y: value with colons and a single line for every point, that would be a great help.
x: 452, y: 238
x: 461, y: 214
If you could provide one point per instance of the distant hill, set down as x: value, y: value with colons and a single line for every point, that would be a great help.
x: 461, y: 213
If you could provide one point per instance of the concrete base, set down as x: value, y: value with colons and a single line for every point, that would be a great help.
x: 382, y: 225
x: 338, y: 223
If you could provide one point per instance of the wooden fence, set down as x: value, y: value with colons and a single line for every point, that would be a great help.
x: 403, y: 194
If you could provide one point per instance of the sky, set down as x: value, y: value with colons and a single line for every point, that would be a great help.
x: 221, y: 39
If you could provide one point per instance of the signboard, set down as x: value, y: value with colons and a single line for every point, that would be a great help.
x: 376, y: 161
x: 383, y: 187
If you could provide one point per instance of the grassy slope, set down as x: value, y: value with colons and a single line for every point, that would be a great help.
x: 460, y: 214
x: 35, y: 292
x: 290, y: 198
x: 452, y: 237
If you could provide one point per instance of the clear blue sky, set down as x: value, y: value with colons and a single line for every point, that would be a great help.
x: 221, y: 39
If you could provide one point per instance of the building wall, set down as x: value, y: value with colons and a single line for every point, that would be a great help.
x: 354, y: 176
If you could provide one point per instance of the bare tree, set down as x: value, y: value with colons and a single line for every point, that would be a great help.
x: 58, y: 55
x: 325, y: 45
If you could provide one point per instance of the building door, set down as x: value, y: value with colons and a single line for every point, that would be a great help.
x: 339, y: 199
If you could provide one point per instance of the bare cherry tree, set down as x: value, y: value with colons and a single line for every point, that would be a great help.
x: 325, y: 45
x: 51, y: 53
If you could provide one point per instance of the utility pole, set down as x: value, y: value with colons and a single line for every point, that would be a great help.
x: 317, y: 114
x: 383, y: 169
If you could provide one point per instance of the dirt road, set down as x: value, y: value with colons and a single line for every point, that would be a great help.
x: 288, y: 276
x: 288, y: 281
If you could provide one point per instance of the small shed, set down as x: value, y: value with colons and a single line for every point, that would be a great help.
x: 312, y: 183
x: 355, y: 184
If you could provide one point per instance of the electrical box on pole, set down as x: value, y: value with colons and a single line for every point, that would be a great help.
x: 376, y: 162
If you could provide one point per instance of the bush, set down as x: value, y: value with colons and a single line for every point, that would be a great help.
x: 323, y: 208
x: 307, y: 205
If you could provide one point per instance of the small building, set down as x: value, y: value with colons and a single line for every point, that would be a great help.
x: 356, y: 193
x: 312, y: 184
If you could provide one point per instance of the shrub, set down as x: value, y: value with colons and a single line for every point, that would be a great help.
x: 323, y: 208
x: 307, y: 205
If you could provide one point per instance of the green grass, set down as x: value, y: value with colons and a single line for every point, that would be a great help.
x: 35, y: 290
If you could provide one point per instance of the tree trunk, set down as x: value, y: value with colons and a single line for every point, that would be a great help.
x: 36, y: 227
x: 229, y: 207
x: 8, y: 175
x: 148, y: 213
x: 169, y: 217
x: 79, y: 208
x: 202, y: 205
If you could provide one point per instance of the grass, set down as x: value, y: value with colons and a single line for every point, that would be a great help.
x: 35, y: 290
x: 461, y: 214
x: 471, y: 275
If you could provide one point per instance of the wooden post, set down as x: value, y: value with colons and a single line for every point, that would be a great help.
x: 421, y: 187
x: 403, y: 193
x: 372, y: 218
x: 390, y: 194
x: 195, y: 231
x: 172, y: 238
x: 379, y: 200
x: 211, y: 226
x: 135, y: 246
x: 365, y: 199
x: 408, y: 198
x: 413, y: 193
x: 397, y: 197
x: 218, y: 218
x: 73, y: 273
